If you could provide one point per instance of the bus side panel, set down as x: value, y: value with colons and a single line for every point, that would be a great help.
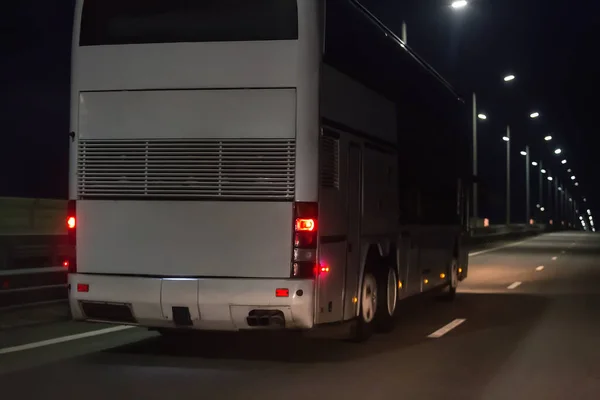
x: 380, y: 192
x: 333, y: 192
x: 356, y: 116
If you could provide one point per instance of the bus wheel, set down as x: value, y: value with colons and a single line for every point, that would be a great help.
x: 387, y: 305
x: 363, y: 328
x: 453, y: 280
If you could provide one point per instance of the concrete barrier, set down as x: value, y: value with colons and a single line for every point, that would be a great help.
x: 19, y: 216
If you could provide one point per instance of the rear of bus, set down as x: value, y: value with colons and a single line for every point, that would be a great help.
x: 193, y: 158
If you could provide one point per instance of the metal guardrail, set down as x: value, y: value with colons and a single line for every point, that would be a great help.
x: 494, y: 230
x: 30, y: 271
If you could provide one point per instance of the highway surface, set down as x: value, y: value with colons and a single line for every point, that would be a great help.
x: 525, y: 326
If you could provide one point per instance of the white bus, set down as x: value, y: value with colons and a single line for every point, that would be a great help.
x: 264, y: 164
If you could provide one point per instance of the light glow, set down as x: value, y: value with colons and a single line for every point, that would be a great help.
x: 459, y: 4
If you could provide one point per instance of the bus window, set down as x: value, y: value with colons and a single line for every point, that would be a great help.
x: 115, y: 22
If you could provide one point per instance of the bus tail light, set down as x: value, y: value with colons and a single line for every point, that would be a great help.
x: 304, y: 257
x: 71, y: 263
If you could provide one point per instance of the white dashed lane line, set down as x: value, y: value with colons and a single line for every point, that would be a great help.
x: 447, y: 328
x: 63, y: 339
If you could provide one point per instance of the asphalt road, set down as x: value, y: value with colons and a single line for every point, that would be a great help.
x: 540, y: 339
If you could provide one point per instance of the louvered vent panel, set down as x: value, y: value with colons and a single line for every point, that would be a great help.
x: 196, y: 169
x: 330, y: 162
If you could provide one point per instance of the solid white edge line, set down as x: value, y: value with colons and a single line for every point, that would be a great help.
x: 445, y: 329
x: 541, y: 267
x: 478, y: 253
x: 514, y: 285
x: 63, y: 339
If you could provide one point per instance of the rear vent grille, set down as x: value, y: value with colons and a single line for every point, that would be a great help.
x: 195, y: 169
x: 330, y: 162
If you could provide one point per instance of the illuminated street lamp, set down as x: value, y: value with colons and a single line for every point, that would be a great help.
x: 563, y: 162
x: 482, y: 116
x: 509, y: 78
x: 458, y: 4
x: 534, y: 115
x: 548, y: 138
x: 557, y: 151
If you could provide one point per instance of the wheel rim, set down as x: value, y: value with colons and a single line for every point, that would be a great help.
x: 392, y: 292
x: 369, y: 298
x: 454, y: 274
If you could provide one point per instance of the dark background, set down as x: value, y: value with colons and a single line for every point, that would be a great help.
x: 549, y: 46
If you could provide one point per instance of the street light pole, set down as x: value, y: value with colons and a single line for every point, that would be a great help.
x: 556, y: 212
x: 541, y: 185
x: 404, y: 33
x: 508, y: 175
x: 565, y: 200
x: 550, y: 202
x: 527, y: 187
x: 475, y: 192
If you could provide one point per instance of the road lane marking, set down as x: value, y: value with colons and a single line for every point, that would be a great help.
x: 478, y: 253
x: 554, y: 258
x: 541, y: 267
x: 445, y: 329
x: 63, y: 339
x: 514, y: 285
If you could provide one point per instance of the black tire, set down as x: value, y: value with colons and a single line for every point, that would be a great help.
x: 453, y: 280
x: 385, y: 317
x: 363, y: 327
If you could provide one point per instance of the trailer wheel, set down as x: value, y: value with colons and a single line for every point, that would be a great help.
x: 363, y: 328
x: 389, y: 300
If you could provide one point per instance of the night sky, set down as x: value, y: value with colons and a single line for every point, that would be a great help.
x: 549, y: 45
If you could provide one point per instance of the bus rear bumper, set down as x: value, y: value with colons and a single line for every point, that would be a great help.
x: 205, y: 304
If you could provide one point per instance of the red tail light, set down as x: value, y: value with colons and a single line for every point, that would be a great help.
x: 71, y: 263
x: 306, y: 225
x: 304, y: 258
